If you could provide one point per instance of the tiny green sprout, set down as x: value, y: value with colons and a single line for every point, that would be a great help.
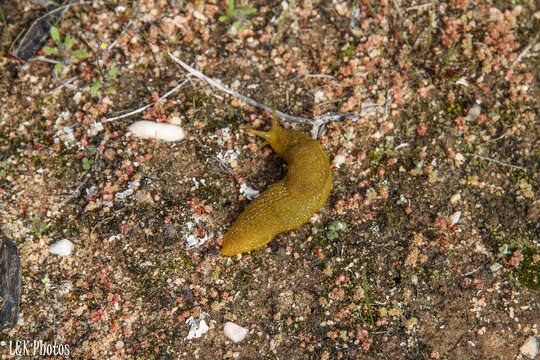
x: 55, y: 34
x: 331, y: 235
x: 495, y: 267
x: 334, y: 228
x: 112, y: 72
x: 236, y: 14
x: 38, y: 227
x: 86, y: 163
x: 282, y: 21
x: 95, y: 88
x: 346, y: 51
x: 63, y: 49
x: 402, y: 200
x: 447, y: 57
x: 107, y: 77
x: 365, y: 287
x: 337, y: 225
x: 503, y: 251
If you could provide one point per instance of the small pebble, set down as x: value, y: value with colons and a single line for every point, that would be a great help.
x: 234, y: 332
x: 339, y: 160
x: 454, y: 219
x: 248, y: 192
x: 197, y: 327
x: 474, y: 112
x: 63, y: 247
x: 529, y: 347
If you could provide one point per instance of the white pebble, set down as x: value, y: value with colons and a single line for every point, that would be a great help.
x: 339, y: 160
x: 197, y: 327
x: 248, y: 192
x: 234, y: 332
x: 529, y: 348
x: 454, y: 219
x: 474, y: 112
x: 153, y: 130
x: 63, y: 247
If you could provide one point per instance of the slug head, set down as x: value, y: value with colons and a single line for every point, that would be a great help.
x: 276, y: 137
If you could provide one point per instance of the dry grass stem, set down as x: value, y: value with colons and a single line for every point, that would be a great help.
x: 141, y: 109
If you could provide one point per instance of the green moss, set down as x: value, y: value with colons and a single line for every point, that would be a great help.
x: 346, y: 51
x: 454, y: 110
x: 172, y: 266
x: 211, y: 125
x: 340, y: 189
x: 188, y: 261
x: 528, y: 273
x: 209, y: 192
x: 334, y: 228
x: 320, y: 240
x: 376, y: 155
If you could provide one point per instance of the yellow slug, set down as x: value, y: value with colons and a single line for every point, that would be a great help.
x: 291, y: 201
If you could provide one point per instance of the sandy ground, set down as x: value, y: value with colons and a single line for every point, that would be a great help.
x: 426, y: 249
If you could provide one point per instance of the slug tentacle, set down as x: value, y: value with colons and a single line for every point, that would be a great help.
x: 274, y: 135
x: 291, y: 201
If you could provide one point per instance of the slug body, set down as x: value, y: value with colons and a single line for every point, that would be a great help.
x: 291, y: 201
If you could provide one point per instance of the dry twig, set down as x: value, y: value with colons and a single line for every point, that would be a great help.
x: 317, y: 123
x: 496, y: 161
x: 141, y: 109
x: 76, y: 192
x: 418, y: 7
x: 526, y: 51
x: 217, y: 84
x: 36, y: 26
x: 398, y: 9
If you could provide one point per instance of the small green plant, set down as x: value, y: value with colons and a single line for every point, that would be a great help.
x: 39, y: 228
x: 447, y: 57
x: 87, y: 163
x: 365, y: 287
x: 334, y: 228
x: 503, y: 251
x: 104, y: 82
x: 236, y: 14
x: 282, y: 21
x: 63, y: 49
x: 346, y: 51
x: 529, y: 271
x: 371, y: 9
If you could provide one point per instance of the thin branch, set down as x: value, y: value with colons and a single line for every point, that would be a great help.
x: 320, y: 121
x: 64, y: 84
x: 64, y: 8
x: 475, y: 270
x: 147, y: 106
x: 496, y: 161
x: 419, y: 7
x: 223, y: 166
x: 75, y: 193
x: 217, y: 84
x: 398, y: 9
x: 106, y: 220
x: 525, y: 52
x: 319, y: 76
x: 46, y: 59
x: 135, y: 8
